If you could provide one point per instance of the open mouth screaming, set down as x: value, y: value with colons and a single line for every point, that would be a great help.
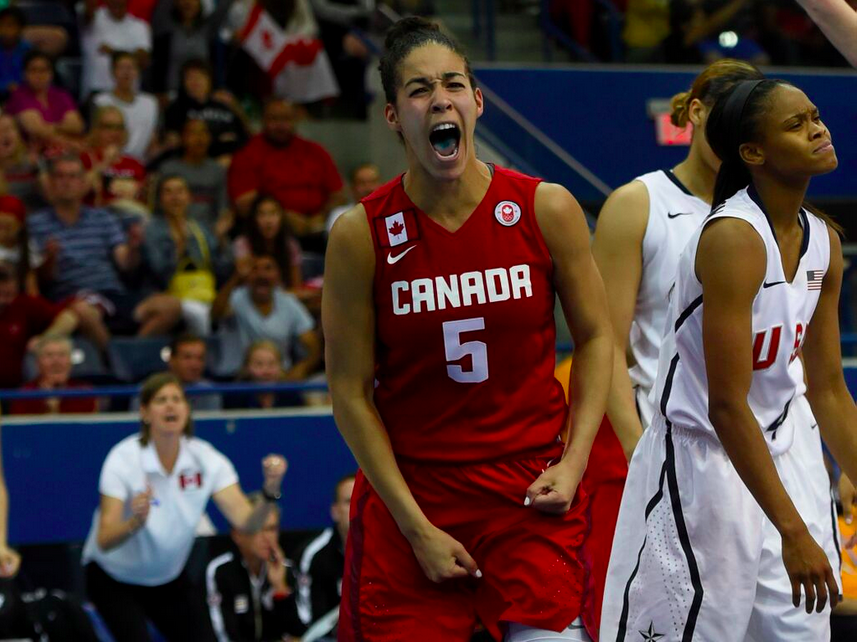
x: 444, y: 139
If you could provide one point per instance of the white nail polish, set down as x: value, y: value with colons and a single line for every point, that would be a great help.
x: 526, y: 501
x: 478, y: 573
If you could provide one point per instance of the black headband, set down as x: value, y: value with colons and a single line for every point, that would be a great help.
x: 733, y: 110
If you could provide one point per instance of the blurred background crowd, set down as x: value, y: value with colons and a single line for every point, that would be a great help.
x: 169, y: 173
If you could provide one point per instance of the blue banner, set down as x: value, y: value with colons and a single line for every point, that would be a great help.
x: 52, y: 468
x: 599, y: 116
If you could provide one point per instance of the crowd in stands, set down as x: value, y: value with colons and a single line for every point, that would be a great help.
x: 777, y: 32
x: 139, y: 199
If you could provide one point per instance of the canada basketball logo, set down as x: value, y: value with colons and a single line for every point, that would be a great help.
x: 507, y: 213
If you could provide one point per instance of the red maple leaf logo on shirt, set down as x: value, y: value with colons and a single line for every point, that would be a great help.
x: 396, y: 228
x: 267, y: 39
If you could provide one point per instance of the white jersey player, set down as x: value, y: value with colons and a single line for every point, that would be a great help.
x: 642, y: 229
x: 691, y: 558
x: 674, y: 215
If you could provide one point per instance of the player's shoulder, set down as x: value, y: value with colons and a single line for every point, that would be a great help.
x: 125, y: 450
x: 633, y: 196
x: 351, y: 221
x: 515, y: 176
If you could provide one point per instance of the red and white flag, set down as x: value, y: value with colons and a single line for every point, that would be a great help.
x: 396, y: 229
x: 298, y: 64
x: 190, y: 480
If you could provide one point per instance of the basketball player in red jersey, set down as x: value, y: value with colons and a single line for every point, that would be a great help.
x: 438, y: 314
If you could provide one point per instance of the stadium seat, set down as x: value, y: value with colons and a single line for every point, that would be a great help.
x: 132, y: 359
x: 87, y: 363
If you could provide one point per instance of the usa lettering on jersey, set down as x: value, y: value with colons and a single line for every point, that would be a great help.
x: 461, y: 290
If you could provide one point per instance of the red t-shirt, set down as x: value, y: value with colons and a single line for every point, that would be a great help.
x: 40, y: 406
x: 301, y: 175
x: 24, y: 318
x: 125, y: 167
x: 465, y: 348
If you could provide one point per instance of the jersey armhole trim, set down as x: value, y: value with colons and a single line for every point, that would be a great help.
x: 719, y: 215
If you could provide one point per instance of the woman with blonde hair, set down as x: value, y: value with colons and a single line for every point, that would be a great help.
x: 263, y: 364
x: 116, y: 178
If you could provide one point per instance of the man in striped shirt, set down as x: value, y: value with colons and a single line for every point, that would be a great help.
x: 86, y: 251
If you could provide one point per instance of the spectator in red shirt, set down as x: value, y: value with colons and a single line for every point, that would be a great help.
x: 24, y: 319
x: 53, y: 356
x: 299, y: 173
x: 114, y: 176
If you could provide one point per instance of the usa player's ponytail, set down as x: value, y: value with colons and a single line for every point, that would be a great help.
x: 715, y: 81
x: 735, y: 119
x: 402, y: 38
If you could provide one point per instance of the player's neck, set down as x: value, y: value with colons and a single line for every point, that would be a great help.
x: 697, y: 176
x: 782, y: 199
x: 448, y: 200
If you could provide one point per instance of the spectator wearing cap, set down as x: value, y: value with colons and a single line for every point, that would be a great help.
x: 47, y: 114
x: 255, y: 299
x: 139, y: 108
x: 19, y: 165
x: 249, y: 594
x: 53, y: 360
x: 187, y: 363
x: 155, y: 487
x: 24, y: 320
x: 85, y: 251
x: 14, y: 246
x: 107, y: 29
x: 299, y: 173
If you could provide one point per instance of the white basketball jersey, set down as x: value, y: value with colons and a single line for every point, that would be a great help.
x: 674, y: 215
x: 781, y: 313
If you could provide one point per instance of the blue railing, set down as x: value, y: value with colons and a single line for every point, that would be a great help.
x: 132, y: 390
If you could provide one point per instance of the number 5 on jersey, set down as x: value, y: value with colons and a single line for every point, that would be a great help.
x: 456, y: 349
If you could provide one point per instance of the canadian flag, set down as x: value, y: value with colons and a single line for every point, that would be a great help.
x: 190, y: 480
x: 298, y: 64
x: 397, y: 231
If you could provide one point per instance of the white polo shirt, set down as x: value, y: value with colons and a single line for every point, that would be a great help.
x: 157, y: 553
x: 128, y: 34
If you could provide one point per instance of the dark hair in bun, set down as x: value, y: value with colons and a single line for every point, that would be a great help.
x: 405, y: 36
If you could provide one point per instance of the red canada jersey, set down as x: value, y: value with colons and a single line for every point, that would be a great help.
x: 465, y: 335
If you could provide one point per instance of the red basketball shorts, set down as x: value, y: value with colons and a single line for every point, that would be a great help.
x: 532, y: 571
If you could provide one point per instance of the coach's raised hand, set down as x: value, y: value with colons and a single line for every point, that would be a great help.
x: 274, y: 469
x: 441, y: 556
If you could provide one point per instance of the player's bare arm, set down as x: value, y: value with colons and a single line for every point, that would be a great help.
x: 828, y: 395
x: 838, y: 20
x: 618, y: 252
x: 730, y: 265
x: 581, y: 293
x: 348, y: 318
